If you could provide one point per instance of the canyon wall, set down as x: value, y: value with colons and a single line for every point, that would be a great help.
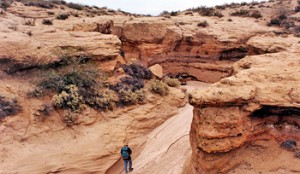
x: 240, y: 122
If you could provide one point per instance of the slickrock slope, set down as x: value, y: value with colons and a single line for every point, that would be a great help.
x: 240, y: 122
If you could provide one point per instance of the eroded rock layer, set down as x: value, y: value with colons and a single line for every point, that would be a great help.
x: 256, y: 108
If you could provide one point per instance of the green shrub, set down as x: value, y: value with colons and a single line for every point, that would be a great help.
x: 128, y: 97
x: 47, y: 22
x: 8, y: 107
x: 173, y: 82
x: 159, y: 87
x: 68, y: 98
x: 202, y: 24
x: 63, y: 16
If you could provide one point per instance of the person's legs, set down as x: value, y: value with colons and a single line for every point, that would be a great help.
x: 130, y: 165
x: 125, y: 166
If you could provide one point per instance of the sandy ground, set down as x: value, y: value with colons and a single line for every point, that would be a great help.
x: 168, y: 146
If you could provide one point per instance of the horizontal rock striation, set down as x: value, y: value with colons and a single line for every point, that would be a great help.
x: 256, y: 108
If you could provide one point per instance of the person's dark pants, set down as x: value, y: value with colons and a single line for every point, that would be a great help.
x: 126, y: 163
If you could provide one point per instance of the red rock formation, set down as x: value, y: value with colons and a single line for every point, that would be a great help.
x: 256, y: 108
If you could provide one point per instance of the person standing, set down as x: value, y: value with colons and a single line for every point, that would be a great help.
x: 126, y: 155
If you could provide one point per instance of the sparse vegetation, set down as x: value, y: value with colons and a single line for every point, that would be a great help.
x: 243, y: 13
x: 63, y: 16
x: 69, y: 98
x: 173, y: 82
x: 42, y: 4
x: 289, y: 145
x: 75, y: 6
x: 246, y: 13
x: 256, y: 14
x: 5, y: 4
x: 30, y: 23
x: 8, y: 107
x: 202, y: 24
x: 138, y: 71
x: 128, y: 97
x: 206, y: 11
x: 47, y: 22
x: 159, y: 87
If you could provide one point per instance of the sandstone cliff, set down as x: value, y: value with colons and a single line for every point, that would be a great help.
x: 241, y: 121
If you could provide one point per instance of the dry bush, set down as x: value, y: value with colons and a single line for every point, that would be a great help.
x: 207, y: 11
x: 42, y: 4
x: 202, y: 24
x: 243, y: 13
x: 173, y: 82
x: 106, y: 100
x: 75, y: 6
x: 5, y: 4
x: 30, y: 23
x: 137, y: 71
x: 159, y: 87
x: 256, y: 14
x: 63, y: 16
x: 47, y: 22
x: 8, y: 107
x: 128, y: 97
x: 70, y: 118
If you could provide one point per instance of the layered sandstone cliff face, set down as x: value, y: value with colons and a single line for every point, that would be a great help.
x: 240, y: 122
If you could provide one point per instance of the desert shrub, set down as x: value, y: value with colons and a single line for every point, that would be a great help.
x: 128, y: 97
x: 59, y: 2
x: 5, y: 4
x: 256, y: 14
x: 202, y: 24
x: 218, y: 14
x: 47, y: 22
x: 159, y: 87
x: 297, y: 9
x: 282, y: 17
x: 138, y: 71
x: 63, y: 16
x: 70, y: 118
x: 220, y: 7
x: 69, y: 98
x: 242, y: 13
x: 30, y: 23
x: 42, y: 4
x: 8, y: 107
x: 75, y: 6
x: 133, y: 84
x: 297, y: 154
x: 289, y: 145
x: 173, y: 82
x: 174, y: 13
x: 207, y: 11
x: 106, y: 99
x: 274, y: 21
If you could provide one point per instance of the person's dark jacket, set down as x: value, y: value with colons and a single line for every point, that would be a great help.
x: 129, y: 152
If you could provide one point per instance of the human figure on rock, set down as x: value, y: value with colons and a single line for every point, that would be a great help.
x: 126, y: 155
